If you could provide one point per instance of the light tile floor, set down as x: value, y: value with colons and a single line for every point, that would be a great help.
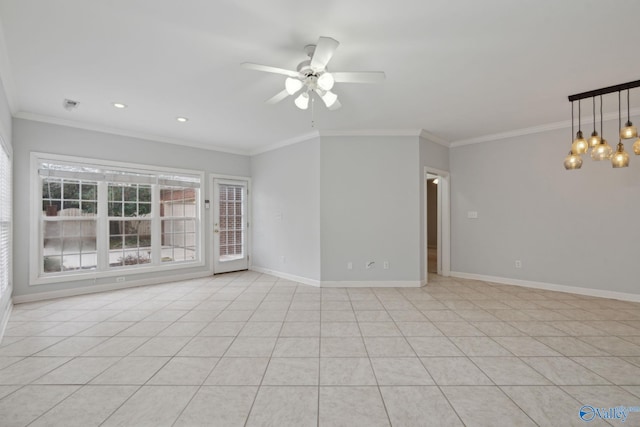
x: 248, y: 349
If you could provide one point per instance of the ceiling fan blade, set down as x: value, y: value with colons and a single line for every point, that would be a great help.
x: 268, y: 69
x: 323, y: 53
x: 359, y: 77
x: 277, y: 97
x: 336, y: 105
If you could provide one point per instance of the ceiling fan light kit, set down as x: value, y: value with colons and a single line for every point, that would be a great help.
x: 312, y: 76
x: 600, y: 148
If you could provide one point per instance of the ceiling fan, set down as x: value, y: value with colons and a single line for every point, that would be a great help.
x: 312, y: 76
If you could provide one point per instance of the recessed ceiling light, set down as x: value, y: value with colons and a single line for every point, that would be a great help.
x: 182, y: 119
x: 119, y: 105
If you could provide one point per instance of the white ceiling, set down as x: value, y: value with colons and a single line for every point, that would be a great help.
x: 458, y: 69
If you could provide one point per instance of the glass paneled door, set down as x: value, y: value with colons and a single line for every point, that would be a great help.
x: 230, y: 225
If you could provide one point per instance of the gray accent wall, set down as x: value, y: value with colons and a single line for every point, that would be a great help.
x: 286, y: 210
x: 31, y: 136
x: 575, y: 228
x: 370, y: 212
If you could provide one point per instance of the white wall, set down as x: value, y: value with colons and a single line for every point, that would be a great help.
x: 574, y: 228
x: 286, y: 210
x: 370, y: 208
x: 30, y: 136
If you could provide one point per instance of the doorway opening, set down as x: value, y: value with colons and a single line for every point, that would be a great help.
x: 436, y: 223
x: 432, y: 223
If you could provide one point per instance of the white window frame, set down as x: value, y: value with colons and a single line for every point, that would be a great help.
x: 6, y: 216
x: 102, y: 232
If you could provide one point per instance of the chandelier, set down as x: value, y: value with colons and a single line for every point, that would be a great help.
x: 596, y: 145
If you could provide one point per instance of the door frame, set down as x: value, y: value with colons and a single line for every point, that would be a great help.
x: 444, y: 222
x: 211, y: 217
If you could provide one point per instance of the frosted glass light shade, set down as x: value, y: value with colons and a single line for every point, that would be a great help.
x: 326, y: 81
x: 292, y: 85
x: 302, y: 101
x: 602, y: 151
x: 620, y: 158
x: 580, y: 145
x: 628, y: 131
x: 636, y: 147
x: 329, y: 98
x: 594, y: 139
x: 572, y: 161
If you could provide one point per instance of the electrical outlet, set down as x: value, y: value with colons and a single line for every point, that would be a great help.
x: 283, y: 259
x: 518, y: 263
x: 369, y: 265
x: 349, y: 265
x: 385, y: 265
x: 120, y: 279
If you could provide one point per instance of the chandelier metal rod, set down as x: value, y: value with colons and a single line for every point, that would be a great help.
x: 604, y: 90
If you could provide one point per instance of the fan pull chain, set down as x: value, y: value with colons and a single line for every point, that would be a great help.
x: 313, y: 100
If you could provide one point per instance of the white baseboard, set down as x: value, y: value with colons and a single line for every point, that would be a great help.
x: 40, y: 296
x: 287, y: 276
x: 342, y: 284
x: 551, y: 287
x: 372, y: 284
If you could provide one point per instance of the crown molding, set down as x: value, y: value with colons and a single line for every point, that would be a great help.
x: 284, y: 143
x: 434, y: 138
x: 537, y: 129
x: 6, y: 75
x: 122, y: 132
x: 371, y: 132
x: 421, y: 133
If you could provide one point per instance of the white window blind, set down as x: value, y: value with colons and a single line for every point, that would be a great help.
x: 5, y: 219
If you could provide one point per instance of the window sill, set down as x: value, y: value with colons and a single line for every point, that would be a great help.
x: 118, y: 272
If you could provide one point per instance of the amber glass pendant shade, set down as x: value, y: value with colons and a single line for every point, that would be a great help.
x: 580, y: 145
x: 620, y: 158
x: 572, y: 161
x: 602, y: 151
x: 628, y: 131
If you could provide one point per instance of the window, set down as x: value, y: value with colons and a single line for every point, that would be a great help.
x: 69, y: 224
x: 5, y: 219
x: 178, y: 209
x: 101, y: 218
x: 129, y: 224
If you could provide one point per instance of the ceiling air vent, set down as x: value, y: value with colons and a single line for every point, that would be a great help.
x: 70, y: 104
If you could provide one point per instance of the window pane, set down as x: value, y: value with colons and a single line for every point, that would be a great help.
x: 115, y: 192
x: 70, y: 204
x: 115, y: 209
x: 131, y: 193
x: 52, y: 264
x: 89, y: 208
x: 130, y: 209
x: 144, y: 208
x: 144, y: 194
x: 71, y: 190
x: 89, y: 192
x: 51, y: 188
x: 129, y: 243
